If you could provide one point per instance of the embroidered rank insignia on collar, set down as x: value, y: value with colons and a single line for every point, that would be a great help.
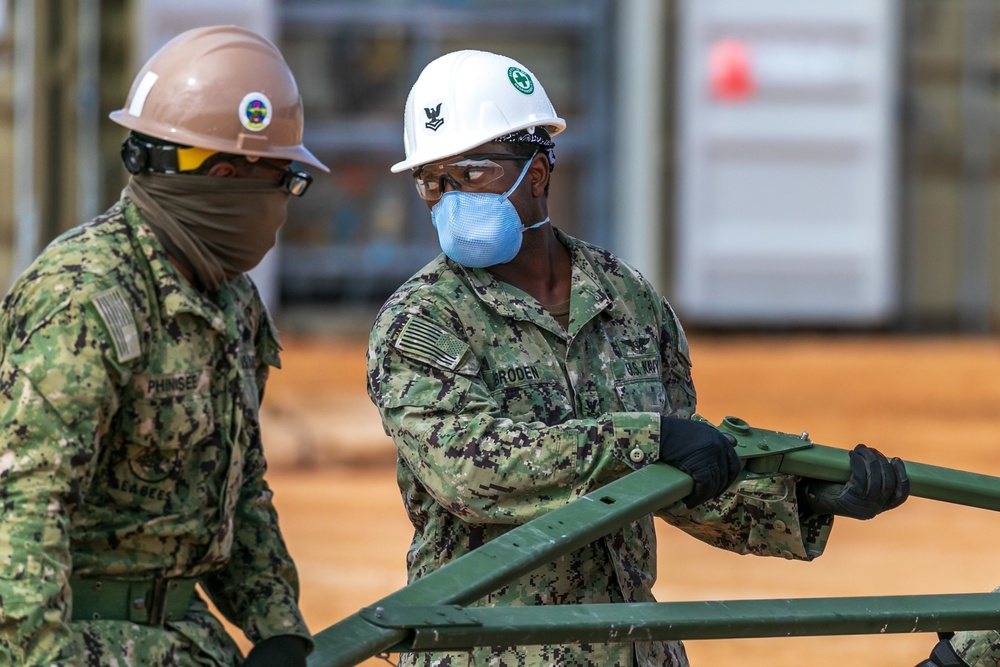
x: 114, y: 310
x: 428, y: 342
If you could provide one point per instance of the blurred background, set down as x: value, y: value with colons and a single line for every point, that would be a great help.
x: 811, y: 184
x: 769, y: 164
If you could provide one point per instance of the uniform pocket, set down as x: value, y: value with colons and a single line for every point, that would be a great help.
x: 160, y: 430
x: 545, y: 402
x: 639, y: 384
x: 162, y: 442
x: 642, y: 395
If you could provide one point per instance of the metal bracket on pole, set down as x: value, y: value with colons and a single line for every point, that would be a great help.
x: 761, y: 449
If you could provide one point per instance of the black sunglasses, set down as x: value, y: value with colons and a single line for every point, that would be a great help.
x: 296, y: 182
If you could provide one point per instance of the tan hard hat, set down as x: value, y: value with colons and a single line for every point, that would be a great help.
x: 220, y: 88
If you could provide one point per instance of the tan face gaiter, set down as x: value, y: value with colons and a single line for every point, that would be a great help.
x: 215, y: 227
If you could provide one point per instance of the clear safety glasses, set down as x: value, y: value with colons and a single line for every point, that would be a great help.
x: 469, y: 173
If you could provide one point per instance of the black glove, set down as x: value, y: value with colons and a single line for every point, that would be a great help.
x: 278, y: 651
x: 943, y: 655
x: 876, y: 485
x: 701, y: 451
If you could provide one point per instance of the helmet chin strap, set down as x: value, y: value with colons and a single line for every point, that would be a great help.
x: 140, y: 155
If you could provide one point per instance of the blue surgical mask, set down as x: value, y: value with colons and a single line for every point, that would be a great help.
x: 480, y: 229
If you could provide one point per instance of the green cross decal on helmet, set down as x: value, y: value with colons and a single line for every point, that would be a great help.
x: 521, y: 80
x: 468, y: 98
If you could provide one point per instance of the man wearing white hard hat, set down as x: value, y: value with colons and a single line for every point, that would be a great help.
x: 523, y: 368
x: 133, y: 357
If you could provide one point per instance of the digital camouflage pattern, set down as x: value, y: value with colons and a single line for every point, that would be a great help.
x: 979, y: 648
x: 131, y: 449
x: 500, y: 415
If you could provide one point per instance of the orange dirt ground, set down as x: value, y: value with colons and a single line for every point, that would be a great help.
x: 932, y: 400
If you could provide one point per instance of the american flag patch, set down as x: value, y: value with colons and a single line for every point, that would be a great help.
x: 117, y: 315
x: 428, y: 342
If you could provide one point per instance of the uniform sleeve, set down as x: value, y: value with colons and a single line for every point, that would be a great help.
x: 57, y: 395
x: 758, y: 515
x: 480, y: 465
x: 258, y: 589
x: 979, y: 648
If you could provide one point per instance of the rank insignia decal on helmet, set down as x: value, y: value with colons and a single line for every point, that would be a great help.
x: 434, y: 119
x: 255, y: 111
x: 468, y: 98
x: 521, y: 80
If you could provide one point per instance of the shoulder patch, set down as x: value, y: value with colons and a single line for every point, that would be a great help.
x: 114, y: 310
x: 428, y: 342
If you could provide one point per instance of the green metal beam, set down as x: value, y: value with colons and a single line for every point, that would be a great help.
x: 511, y: 555
x: 926, y: 481
x: 435, y: 601
x: 772, y: 451
x: 449, y: 628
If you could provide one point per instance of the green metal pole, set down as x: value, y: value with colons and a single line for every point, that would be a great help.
x: 659, y: 621
x: 765, y: 451
x: 926, y: 481
x: 511, y: 555
x: 523, y: 549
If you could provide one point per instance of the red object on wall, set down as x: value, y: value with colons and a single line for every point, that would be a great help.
x: 730, y: 72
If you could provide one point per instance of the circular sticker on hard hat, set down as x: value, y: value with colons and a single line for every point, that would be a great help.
x: 521, y: 80
x: 434, y: 117
x: 255, y: 111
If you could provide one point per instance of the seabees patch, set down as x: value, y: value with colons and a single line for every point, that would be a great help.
x: 428, y: 342
x: 114, y: 310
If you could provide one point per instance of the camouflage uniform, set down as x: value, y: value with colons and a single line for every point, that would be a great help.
x: 979, y: 648
x: 500, y: 415
x: 131, y: 450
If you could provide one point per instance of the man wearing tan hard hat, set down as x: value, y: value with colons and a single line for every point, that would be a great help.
x: 133, y: 357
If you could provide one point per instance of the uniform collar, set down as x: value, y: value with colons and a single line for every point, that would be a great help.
x: 177, y: 294
x: 587, y: 297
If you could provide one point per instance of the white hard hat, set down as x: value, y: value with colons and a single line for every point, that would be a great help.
x: 467, y: 98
